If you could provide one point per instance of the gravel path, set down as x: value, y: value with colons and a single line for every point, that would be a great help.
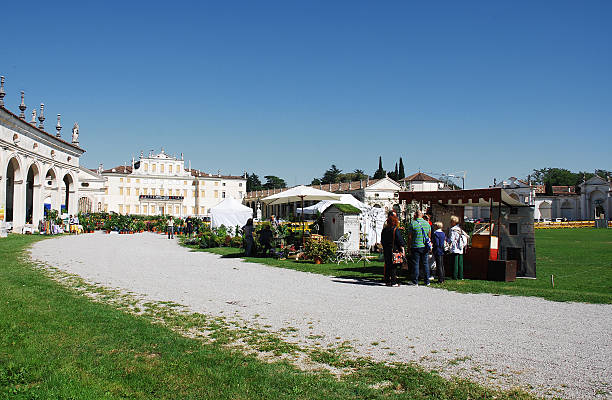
x: 548, y: 348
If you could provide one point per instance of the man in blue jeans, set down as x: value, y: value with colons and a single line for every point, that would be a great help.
x: 419, y: 228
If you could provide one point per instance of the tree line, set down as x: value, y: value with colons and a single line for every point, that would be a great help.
x: 331, y: 175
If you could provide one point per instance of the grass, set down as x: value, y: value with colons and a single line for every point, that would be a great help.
x: 57, y: 343
x: 579, y: 259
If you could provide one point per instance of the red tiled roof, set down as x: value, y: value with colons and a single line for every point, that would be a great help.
x: 419, y: 177
x: 118, y: 170
x: 41, y: 131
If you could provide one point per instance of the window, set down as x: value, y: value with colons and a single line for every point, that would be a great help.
x: 193, y: 211
x: 153, y: 167
x: 223, y: 184
x: 202, y: 193
x: 216, y: 194
x: 222, y: 195
x: 120, y: 208
x: 184, y: 210
x: 170, y: 168
x: 184, y: 182
x: 136, y: 208
x: 121, y: 191
x: 146, y: 167
x: 153, y: 191
x: 193, y: 193
x: 161, y: 167
x: 161, y: 192
x: 202, y: 210
x: 127, y: 209
x: 184, y: 192
x: 177, y: 209
x: 144, y: 209
x: 240, y: 185
x: 105, y: 207
x: 137, y: 192
x: 513, y: 228
x: 128, y: 180
x: 120, y: 179
x: 216, y: 183
x: 127, y: 191
x: 137, y: 180
x: 144, y: 190
x: 105, y: 190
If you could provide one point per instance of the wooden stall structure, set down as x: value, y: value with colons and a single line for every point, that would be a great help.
x: 502, y: 249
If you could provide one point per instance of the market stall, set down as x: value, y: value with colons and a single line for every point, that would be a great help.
x: 230, y: 212
x: 501, y: 249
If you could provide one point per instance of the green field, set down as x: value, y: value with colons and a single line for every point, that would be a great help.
x: 579, y: 259
x: 56, y: 343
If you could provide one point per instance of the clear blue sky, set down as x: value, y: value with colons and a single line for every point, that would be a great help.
x: 287, y: 88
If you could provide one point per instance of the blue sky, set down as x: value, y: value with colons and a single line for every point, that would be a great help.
x: 287, y: 88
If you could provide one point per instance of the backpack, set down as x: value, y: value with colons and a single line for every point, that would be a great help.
x: 463, y: 239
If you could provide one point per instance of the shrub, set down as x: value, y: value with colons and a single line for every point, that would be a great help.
x: 324, y: 249
x: 236, y: 242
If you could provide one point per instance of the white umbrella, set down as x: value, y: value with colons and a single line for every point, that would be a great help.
x: 300, y: 193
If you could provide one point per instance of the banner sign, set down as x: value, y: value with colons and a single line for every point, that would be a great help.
x: 154, y: 197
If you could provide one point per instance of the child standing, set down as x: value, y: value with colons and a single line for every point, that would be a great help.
x: 439, y: 238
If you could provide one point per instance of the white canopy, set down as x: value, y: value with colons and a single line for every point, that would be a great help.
x: 230, y: 212
x: 299, y: 193
x: 324, y: 204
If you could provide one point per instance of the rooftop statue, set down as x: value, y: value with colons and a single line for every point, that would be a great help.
x: 75, y: 133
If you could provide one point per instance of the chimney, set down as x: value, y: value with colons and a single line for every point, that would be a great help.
x: 41, y: 117
x: 22, y: 108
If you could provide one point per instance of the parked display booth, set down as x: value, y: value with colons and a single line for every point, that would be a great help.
x: 502, y: 249
x: 340, y: 220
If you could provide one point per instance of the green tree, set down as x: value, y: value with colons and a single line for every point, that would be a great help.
x: 359, y: 175
x: 274, y: 182
x: 253, y: 183
x: 315, y: 181
x: 401, y: 174
x: 332, y: 175
x: 380, y: 172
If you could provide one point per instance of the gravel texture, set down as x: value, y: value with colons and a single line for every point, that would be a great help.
x: 548, y: 348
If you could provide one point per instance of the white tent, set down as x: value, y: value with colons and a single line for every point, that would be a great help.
x: 324, y: 205
x: 230, y: 212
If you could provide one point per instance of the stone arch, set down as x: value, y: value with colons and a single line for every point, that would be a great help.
x: 14, y: 194
x: 598, y: 204
x: 69, y: 193
x: 545, y: 210
x: 33, y: 195
x: 567, y: 210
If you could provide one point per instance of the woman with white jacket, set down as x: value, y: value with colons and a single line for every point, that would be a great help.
x: 456, y: 240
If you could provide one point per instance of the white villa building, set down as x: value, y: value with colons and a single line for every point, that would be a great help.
x: 157, y: 184
x: 593, y: 201
x: 38, y: 170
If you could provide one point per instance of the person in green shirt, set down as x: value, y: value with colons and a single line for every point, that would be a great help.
x: 418, y: 230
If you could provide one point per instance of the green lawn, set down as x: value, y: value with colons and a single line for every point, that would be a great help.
x: 56, y: 343
x: 579, y: 259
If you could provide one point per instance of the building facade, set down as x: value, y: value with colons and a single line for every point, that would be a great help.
x: 38, y: 170
x: 593, y: 200
x: 158, y: 184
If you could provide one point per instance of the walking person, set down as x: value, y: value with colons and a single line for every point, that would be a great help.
x: 248, y: 237
x: 393, y: 249
x: 438, y: 240
x: 457, y: 240
x: 420, y: 235
x: 170, y: 228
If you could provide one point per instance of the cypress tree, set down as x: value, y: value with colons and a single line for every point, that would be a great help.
x: 380, y: 172
x: 401, y: 173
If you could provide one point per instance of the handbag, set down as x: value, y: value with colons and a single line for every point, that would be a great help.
x: 397, y: 257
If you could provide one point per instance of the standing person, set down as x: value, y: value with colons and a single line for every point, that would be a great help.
x: 419, y: 231
x: 273, y: 222
x: 392, y: 242
x: 457, y: 241
x: 189, y: 226
x: 248, y: 237
x: 438, y: 239
x: 170, y: 228
x: 265, y: 239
